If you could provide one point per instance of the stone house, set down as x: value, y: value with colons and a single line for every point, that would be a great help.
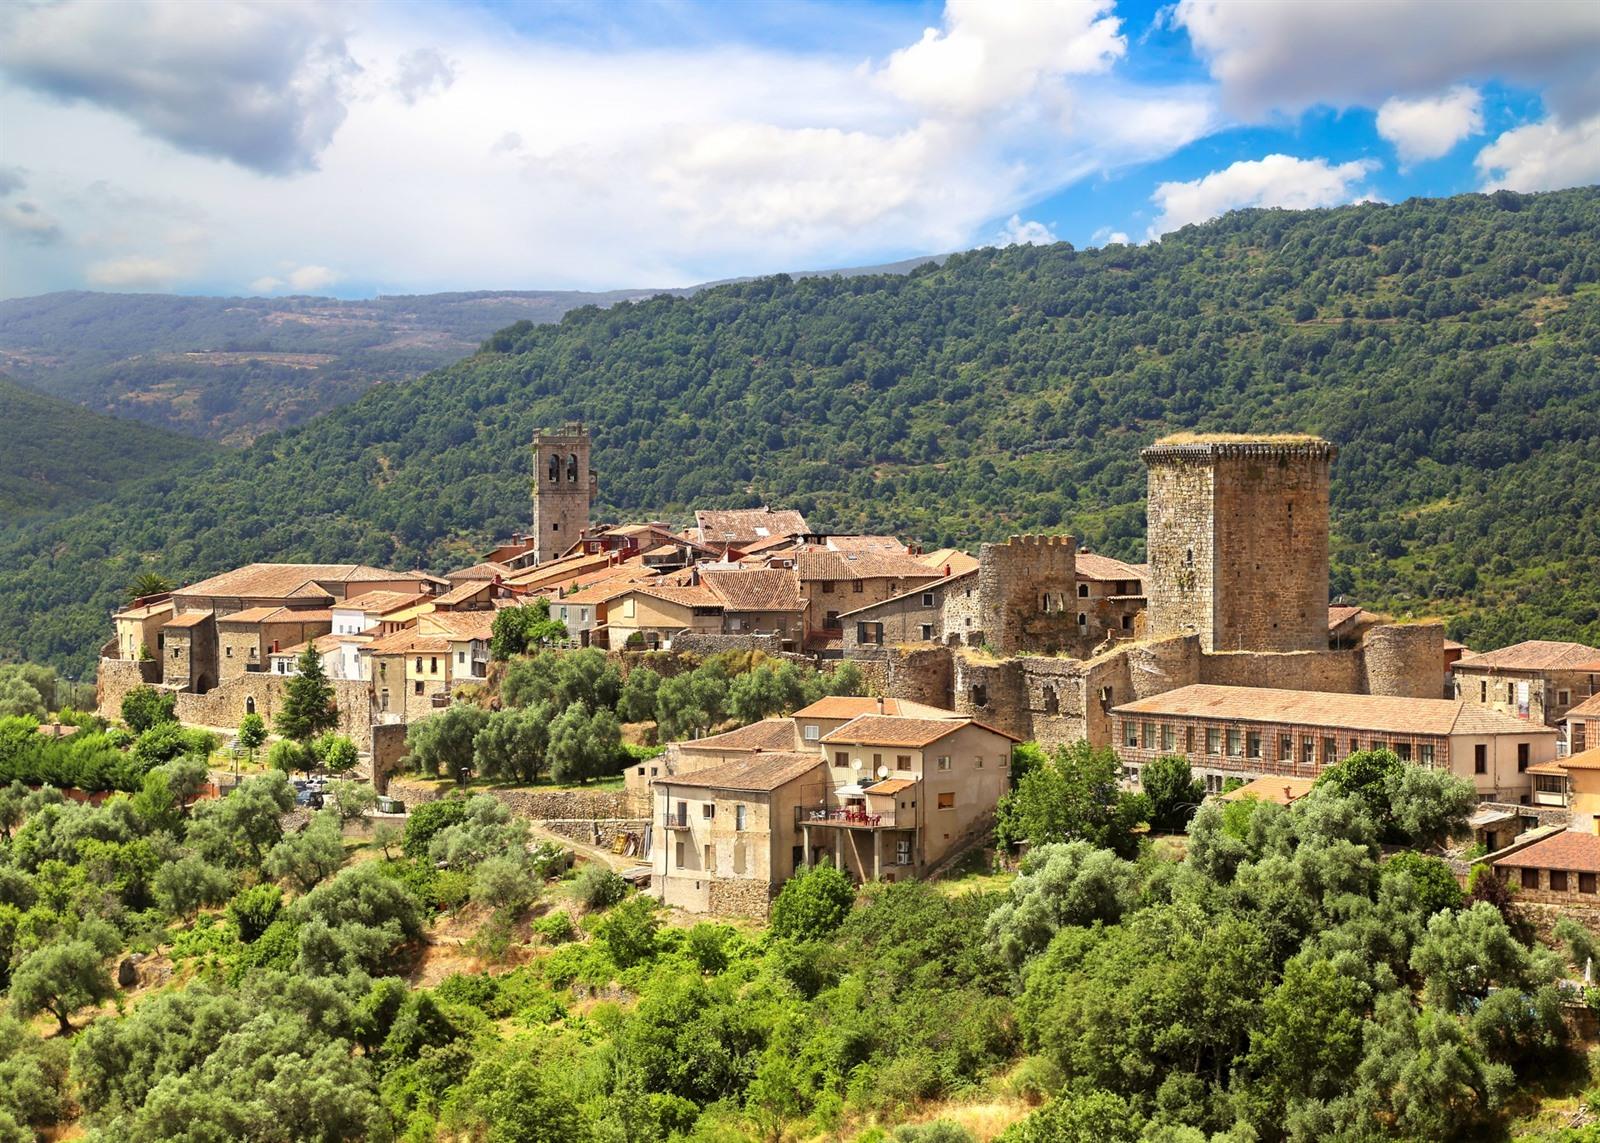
x: 940, y: 611
x: 284, y: 585
x: 379, y: 612
x: 467, y: 633
x: 1252, y: 732
x: 1563, y: 869
x: 138, y: 628
x: 248, y: 639
x: 727, y: 833
x: 1583, y: 721
x: 835, y: 582
x: 722, y: 529
x: 189, y: 655
x: 1109, y: 600
x: 1538, y: 680
x: 410, y: 674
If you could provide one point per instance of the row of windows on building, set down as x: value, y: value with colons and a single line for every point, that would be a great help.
x: 1239, y: 742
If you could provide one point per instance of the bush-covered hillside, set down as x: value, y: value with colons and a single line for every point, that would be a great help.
x: 57, y: 455
x: 1450, y: 347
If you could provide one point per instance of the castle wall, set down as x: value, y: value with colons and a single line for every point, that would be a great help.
x: 1334, y: 671
x: 1027, y: 590
x: 117, y: 677
x: 230, y: 700
x: 993, y: 692
x: 1405, y: 659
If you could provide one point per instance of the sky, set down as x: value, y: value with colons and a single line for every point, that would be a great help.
x: 290, y: 146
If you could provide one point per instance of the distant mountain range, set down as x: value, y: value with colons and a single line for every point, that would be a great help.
x: 230, y: 369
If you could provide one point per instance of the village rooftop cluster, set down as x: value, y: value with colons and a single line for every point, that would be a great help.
x: 1222, y: 648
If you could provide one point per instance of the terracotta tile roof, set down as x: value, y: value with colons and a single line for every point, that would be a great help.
x: 1092, y: 565
x: 558, y: 571
x: 381, y: 602
x: 188, y: 619
x: 887, y: 730
x: 889, y: 545
x: 148, y: 611
x: 957, y: 561
x: 935, y: 585
x: 599, y: 593
x: 768, y: 734
x: 254, y: 616
x: 854, y: 706
x: 1282, y: 791
x: 1573, y: 851
x: 311, y: 591
x: 814, y: 565
x: 1555, y: 768
x: 890, y: 786
x: 697, y: 596
x: 408, y: 641
x: 1383, y: 713
x: 733, y: 525
x: 282, y: 580
x: 759, y: 773
x: 488, y: 569
x: 323, y: 644
x: 771, y: 543
x: 458, y: 624
x: 463, y: 592
x: 1535, y: 655
x: 1588, y: 708
x: 1583, y: 760
x: 754, y: 589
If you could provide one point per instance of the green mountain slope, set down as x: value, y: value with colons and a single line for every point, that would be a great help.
x: 56, y: 455
x: 233, y: 368
x: 1450, y: 347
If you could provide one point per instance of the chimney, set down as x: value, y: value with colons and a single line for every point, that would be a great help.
x: 880, y: 704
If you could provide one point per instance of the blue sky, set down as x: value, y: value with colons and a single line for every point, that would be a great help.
x: 284, y: 146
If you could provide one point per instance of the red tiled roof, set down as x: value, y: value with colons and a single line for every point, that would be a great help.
x: 458, y: 624
x: 889, y: 545
x: 759, y: 773
x: 148, y: 611
x: 1383, y: 713
x: 754, y: 589
x: 1092, y: 565
x: 854, y: 706
x: 732, y: 525
x: 1583, y: 760
x: 816, y: 565
x: 407, y: 641
x: 887, y: 730
x: 1279, y: 790
x: 381, y: 602
x: 1535, y: 655
x: 283, y: 580
x: 488, y: 569
x: 1588, y: 708
x: 768, y: 734
x: 255, y: 616
x: 953, y: 559
x: 1572, y: 851
x: 188, y: 619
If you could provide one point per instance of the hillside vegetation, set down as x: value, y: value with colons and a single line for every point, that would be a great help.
x: 233, y: 368
x: 1450, y: 347
x: 57, y: 455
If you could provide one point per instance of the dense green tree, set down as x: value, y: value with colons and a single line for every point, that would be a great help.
x: 60, y: 979
x: 144, y: 707
x: 252, y: 733
x: 443, y: 742
x: 183, y: 886
x: 147, y: 583
x: 307, y: 708
x: 520, y: 629
x: 637, y: 702
x: 241, y: 828
x: 513, y: 743
x: 812, y: 903
x: 18, y: 697
x: 336, y: 753
x: 1174, y: 792
x: 351, y: 800
x: 583, y: 745
x: 311, y: 855
x: 1061, y: 884
x: 253, y: 909
x: 1076, y: 795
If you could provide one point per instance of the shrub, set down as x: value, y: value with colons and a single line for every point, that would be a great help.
x: 812, y: 904
x: 556, y: 927
x: 253, y: 910
x: 600, y: 887
x: 144, y: 707
x: 428, y: 819
x: 628, y: 932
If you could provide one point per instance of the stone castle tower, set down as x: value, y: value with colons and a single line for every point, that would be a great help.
x: 1238, y: 541
x: 1026, y: 589
x: 563, y: 487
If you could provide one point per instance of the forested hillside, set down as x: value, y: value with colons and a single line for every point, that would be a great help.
x: 57, y: 455
x: 233, y: 368
x: 1450, y: 348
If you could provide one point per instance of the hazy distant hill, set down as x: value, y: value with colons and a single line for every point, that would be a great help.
x: 1449, y: 346
x: 233, y: 368
x: 56, y: 455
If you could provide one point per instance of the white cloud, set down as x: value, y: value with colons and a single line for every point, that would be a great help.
x: 1019, y: 233
x: 29, y: 224
x: 1543, y: 156
x: 1105, y: 236
x: 260, y: 82
x: 312, y: 278
x: 1287, y: 55
x: 1427, y: 128
x: 992, y: 54
x: 423, y: 71
x: 266, y: 285
x: 1275, y: 181
x: 134, y: 272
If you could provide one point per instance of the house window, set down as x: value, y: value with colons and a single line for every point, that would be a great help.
x: 1188, y: 740
x: 927, y: 632
x: 927, y: 599
x: 1083, y: 591
x: 419, y: 664
x: 1586, y: 883
x: 841, y: 758
x: 1235, y: 744
x: 827, y: 587
x: 1213, y: 740
x: 1563, y: 698
x: 1130, y: 733
x: 1403, y: 749
x: 738, y: 816
x: 1083, y: 621
x: 228, y: 652
x: 944, y: 761
x: 1147, y: 735
x: 1169, y: 737
x: 1530, y: 879
x: 1480, y: 759
x: 383, y: 699
x: 1425, y: 753
x: 1286, y: 747
x: 832, y: 619
x: 418, y: 686
x: 902, y: 851
x: 1253, y: 741
x: 677, y: 855
x: 461, y: 657
x: 812, y: 733
x: 902, y: 761
x: 980, y: 695
x: 1511, y: 692
x: 710, y: 860
x: 383, y: 670
x: 977, y: 762
x: 433, y: 664
x: 1127, y: 623
x: 858, y: 585
x: 1522, y: 757
x: 708, y: 811
x: 627, y: 608
x: 947, y: 801
x: 1483, y: 690
x: 1308, y: 750
x: 1330, y: 751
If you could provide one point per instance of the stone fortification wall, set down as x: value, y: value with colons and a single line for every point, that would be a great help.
x: 116, y: 678
x: 388, y: 749
x: 992, y: 692
x: 535, y: 804
x: 709, y: 643
x: 230, y: 700
x: 920, y: 674
x: 1336, y: 671
x: 1015, y: 579
x: 1405, y: 659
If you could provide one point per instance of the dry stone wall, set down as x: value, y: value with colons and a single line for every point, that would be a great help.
x: 739, y: 897
x: 117, y: 677
x: 534, y: 804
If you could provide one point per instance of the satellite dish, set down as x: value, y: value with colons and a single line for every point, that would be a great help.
x: 856, y: 764
x: 883, y: 771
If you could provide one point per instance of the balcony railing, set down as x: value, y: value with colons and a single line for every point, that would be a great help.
x: 847, y: 816
x: 673, y: 822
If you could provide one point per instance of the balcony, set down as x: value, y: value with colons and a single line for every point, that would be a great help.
x: 848, y: 817
x: 672, y: 822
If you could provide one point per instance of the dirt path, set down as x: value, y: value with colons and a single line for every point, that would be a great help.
x: 593, y: 852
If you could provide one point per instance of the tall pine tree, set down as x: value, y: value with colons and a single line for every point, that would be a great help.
x: 308, y: 708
